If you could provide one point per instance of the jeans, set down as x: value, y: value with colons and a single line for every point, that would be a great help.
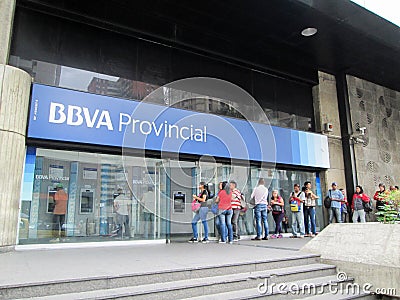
x: 344, y: 217
x: 123, y: 220
x: 200, y: 215
x: 58, y: 228
x: 225, y: 220
x: 335, y: 211
x: 359, y: 213
x: 278, y: 221
x: 148, y: 223
x: 298, y: 221
x: 235, y: 223
x: 260, y: 212
x: 309, y: 214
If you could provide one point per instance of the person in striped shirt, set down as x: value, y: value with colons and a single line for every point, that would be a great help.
x: 236, y: 207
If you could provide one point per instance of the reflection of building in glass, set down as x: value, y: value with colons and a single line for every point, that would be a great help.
x: 123, y: 88
x: 104, y: 87
x: 43, y: 72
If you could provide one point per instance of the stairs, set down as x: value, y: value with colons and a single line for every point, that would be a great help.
x: 243, y: 280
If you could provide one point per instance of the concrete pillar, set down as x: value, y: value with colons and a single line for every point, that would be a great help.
x: 7, y: 8
x: 14, y: 100
x: 326, y: 110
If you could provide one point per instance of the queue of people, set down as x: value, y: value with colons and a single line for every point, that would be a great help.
x: 302, y: 203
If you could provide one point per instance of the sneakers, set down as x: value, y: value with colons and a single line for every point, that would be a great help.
x: 265, y: 238
x: 56, y: 240
x: 236, y: 240
x: 273, y: 236
x: 301, y: 236
x: 257, y: 238
x: 205, y: 241
x: 279, y: 236
x: 312, y: 235
x: 222, y: 242
x: 193, y: 240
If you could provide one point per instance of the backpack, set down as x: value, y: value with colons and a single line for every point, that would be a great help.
x: 243, y: 202
x: 368, y: 206
x: 328, y: 201
x: 294, y: 205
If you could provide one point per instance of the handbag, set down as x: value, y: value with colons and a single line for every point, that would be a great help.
x: 328, y: 201
x: 276, y: 209
x: 195, y: 206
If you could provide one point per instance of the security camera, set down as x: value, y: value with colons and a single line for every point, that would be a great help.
x: 362, y: 130
x: 359, y: 140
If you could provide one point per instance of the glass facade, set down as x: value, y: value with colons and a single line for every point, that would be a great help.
x: 109, y: 198
x: 98, y: 61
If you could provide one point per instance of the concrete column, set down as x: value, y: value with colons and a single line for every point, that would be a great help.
x: 7, y: 8
x: 326, y: 110
x: 14, y: 99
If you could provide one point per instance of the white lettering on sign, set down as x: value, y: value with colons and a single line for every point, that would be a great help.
x: 50, y: 177
x: 74, y: 115
x: 163, y: 129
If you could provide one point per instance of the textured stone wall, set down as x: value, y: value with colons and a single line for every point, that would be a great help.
x: 378, y: 109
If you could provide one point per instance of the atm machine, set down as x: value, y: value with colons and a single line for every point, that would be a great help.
x: 86, y: 203
x: 179, y: 203
x: 86, y: 211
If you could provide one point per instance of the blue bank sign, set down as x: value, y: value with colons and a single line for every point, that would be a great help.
x: 66, y: 115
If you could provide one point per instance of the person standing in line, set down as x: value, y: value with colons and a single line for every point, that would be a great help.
x: 149, y: 209
x: 357, y: 205
x: 236, y: 207
x: 296, y: 204
x: 201, y: 214
x: 260, y: 195
x: 59, y: 212
x: 278, y: 212
x: 122, y: 206
x: 225, y: 212
x: 381, y: 196
x: 309, y: 209
x: 336, y: 197
x: 344, y: 208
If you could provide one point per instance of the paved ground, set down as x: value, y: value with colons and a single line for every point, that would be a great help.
x: 21, y: 267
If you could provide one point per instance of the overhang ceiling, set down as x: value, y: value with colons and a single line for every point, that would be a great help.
x: 264, y: 35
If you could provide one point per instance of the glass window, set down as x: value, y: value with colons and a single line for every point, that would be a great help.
x: 90, y: 197
x: 80, y: 197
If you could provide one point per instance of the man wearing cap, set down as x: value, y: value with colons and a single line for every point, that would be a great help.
x: 336, y: 197
x: 60, y: 209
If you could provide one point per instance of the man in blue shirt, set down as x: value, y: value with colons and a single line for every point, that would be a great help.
x: 336, y: 197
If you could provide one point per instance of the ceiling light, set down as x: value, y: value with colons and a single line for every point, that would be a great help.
x: 310, y: 31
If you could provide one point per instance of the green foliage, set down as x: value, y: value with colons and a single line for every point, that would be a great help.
x: 389, y: 214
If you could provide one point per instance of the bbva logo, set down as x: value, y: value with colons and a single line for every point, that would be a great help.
x: 76, y: 116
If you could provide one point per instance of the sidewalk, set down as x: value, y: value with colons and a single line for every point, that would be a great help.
x: 35, y: 266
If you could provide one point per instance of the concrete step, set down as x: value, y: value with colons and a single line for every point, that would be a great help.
x: 291, y: 290
x: 347, y: 293
x: 75, y: 285
x: 204, y: 286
